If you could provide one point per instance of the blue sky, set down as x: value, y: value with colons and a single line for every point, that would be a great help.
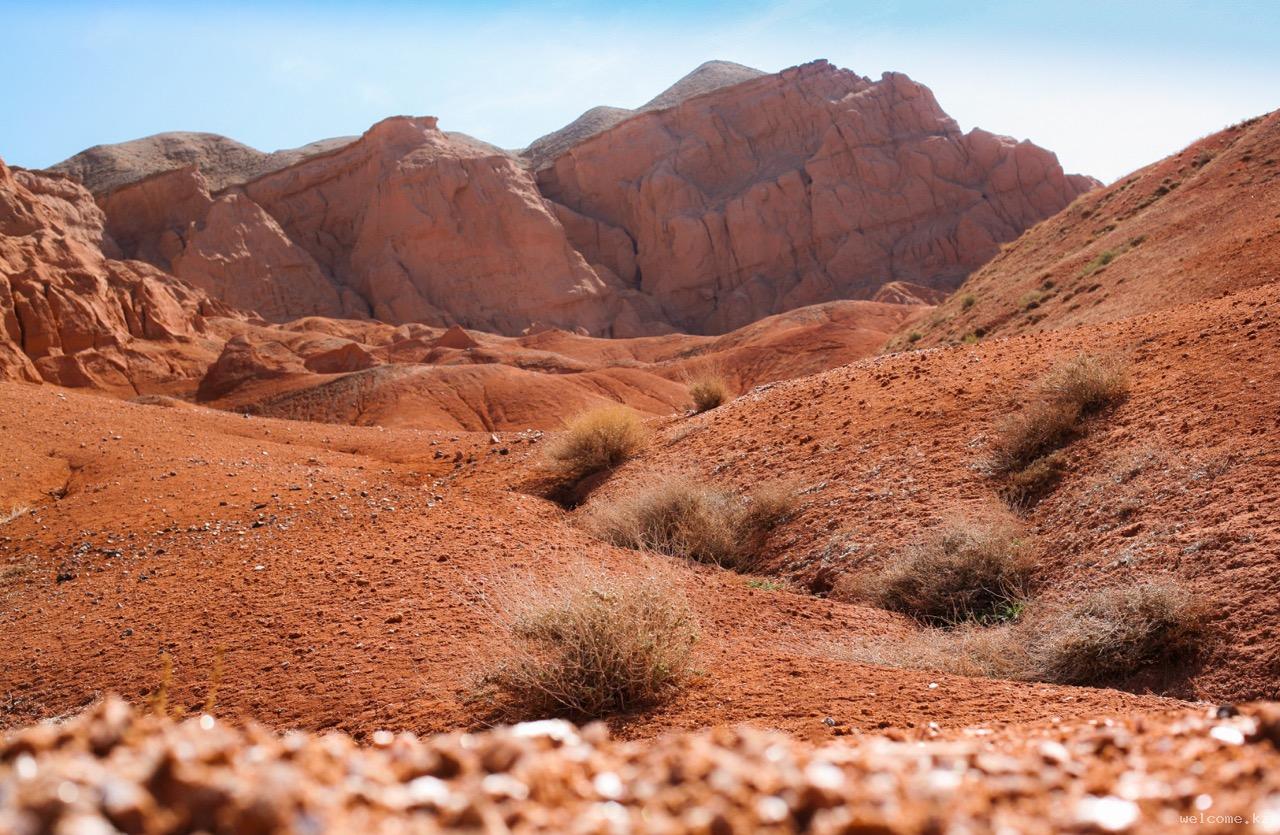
x: 1109, y: 86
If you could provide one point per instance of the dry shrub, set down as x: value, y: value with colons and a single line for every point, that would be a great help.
x: 1040, y: 428
x: 1108, y: 636
x: 1024, y: 488
x: 597, y: 440
x: 1073, y: 390
x: 1114, y: 632
x: 708, y: 391
x: 1090, y: 382
x: 969, y: 570
x: 591, y: 646
x: 768, y: 504
x: 14, y: 512
x: 680, y: 517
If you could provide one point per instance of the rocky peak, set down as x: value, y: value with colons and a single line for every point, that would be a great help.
x: 711, y: 75
x: 800, y: 187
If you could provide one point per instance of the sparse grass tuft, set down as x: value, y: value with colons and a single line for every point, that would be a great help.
x: 967, y: 650
x: 709, y: 391
x: 1101, y: 260
x: 967, y: 301
x: 1114, y: 632
x: 1023, y: 437
x: 968, y: 571
x: 914, y: 337
x: 1031, y: 300
x: 680, y: 517
x: 590, y: 647
x: 1073, y: 390
x: 597, y: 440
x: 1110, y: 635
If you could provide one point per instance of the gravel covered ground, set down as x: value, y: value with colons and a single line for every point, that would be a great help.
x: 114, y: 769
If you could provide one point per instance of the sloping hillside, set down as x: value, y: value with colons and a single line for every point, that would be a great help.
x: 1176, y: 482
x: 1196, y: 225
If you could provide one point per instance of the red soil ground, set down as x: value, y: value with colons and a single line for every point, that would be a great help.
x: 342, y: 570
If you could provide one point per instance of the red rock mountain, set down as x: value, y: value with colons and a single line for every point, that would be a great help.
x: 732, y: 196
x: 711, y: 75
x: 795, y: 188
x: 71, y: 315
x: 75, y: 314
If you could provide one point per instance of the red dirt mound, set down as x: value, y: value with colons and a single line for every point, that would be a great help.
x: 415, y: 376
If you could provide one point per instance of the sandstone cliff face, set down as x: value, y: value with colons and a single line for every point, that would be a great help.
x: 434, y: 228
x: 71, y: 315
x: 796, y: 188
x: 709, y: 76
x: 227, y: 246
x: 407, y: 224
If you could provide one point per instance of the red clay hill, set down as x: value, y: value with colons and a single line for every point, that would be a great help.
x: 1199, y: 224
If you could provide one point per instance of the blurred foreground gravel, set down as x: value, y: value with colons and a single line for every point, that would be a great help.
x: 114, y: 769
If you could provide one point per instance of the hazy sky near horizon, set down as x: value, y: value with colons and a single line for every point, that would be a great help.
x: 1108, y: 86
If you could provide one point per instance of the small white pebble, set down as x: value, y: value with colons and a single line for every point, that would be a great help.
x: 26, y: 767
x: 824, y: 775
x: 504, y: 785
x: 557, y: 729
x: 608, y: 785
x: 1054, y: 751
x: 432, y: 790
x: 68, y: 792
x: 771, y: 809
x: 1227, y: 734
x: 1112, y: 814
